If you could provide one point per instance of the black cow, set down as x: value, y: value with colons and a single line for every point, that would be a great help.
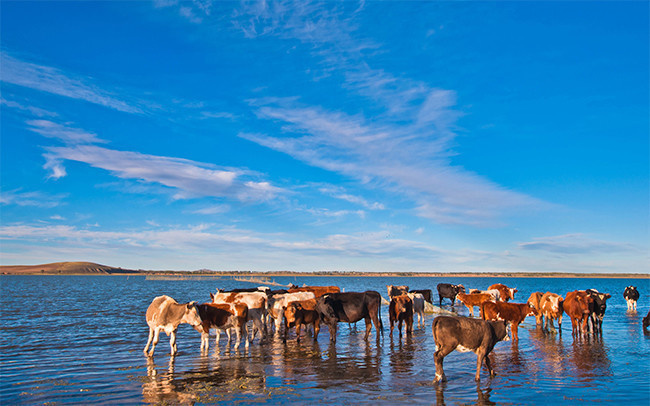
x: 466, y: 334
x: 350, y: 307
x: 428, y: 295
x: 646, y: 321
x: 449, y: 291
x: 600, y: 305
x: 631, y: 295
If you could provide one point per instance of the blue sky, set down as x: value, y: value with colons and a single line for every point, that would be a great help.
x: 353, y: 136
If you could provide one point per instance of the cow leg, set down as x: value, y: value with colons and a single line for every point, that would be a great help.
x: 480, y: 357
x: 399, y: 327
x: 172, y: 342
x: 559, y: 323
x: 515, y: 332
x: 149, y: 341
x: 368, y: 327
x: 332, y: 328
x: 298, y: 326
x: 438, y: 358
x: 229, y: 336
x: 205, y: 341
x: 244, y: 331
x: 409, y: 326
x: 316, y: 329
x: 471, y: 310
x: 237, y: 336
x: 156, y: 337
x: 278, y: 325
x: 392, y: 326
x: 489, y: 365
x: 439, y: 300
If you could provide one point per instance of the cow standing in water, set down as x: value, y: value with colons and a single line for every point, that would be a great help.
x: 631, y: 295
x: 165, y: 314
x: 401, y: 310
x: 466, y: 334
x: 350, y: 307
x: 449, y: 291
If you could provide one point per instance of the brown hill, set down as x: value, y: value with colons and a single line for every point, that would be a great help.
x: 60, y: 268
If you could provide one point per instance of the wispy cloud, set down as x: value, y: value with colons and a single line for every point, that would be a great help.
x: 68, y: 135
x: 33, y: 199
x: 32, y: 110
x: 339, y: 193
x: 580, y: 244
x: 51, y: 80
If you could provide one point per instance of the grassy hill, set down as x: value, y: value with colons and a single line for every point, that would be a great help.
x: 64, y: 268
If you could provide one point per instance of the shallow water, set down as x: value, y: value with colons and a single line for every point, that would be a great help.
x: 79, y: 340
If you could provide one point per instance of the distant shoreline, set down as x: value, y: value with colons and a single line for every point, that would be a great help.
x: 89, y: 268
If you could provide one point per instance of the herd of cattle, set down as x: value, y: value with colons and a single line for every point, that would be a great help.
x: 267, y: 309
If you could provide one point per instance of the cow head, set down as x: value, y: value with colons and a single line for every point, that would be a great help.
x: 326, y: 310
x: 290, y: 313
x: 191, y: 315
x: 459, y: 289
x: 402, y: 304
x: 500, y: 328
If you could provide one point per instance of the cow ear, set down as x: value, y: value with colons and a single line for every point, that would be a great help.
x: 211, y: 296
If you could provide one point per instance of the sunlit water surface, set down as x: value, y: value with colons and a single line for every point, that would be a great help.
x: 79, y: 340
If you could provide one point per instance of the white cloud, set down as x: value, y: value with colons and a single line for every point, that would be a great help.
x: 63, y: 133
x: 577, y: 244
x: 51, y: 80
x: 32, y: 199
x: 35, y: 111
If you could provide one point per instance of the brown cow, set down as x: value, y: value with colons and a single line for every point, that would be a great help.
x: 401, y: 310
x: 473, y: 299
x: 535, y: 300
x: 394, y: 290
x: 505, y: 293
x: 552, y: 306
x: 318, y: 291
x: 466, y: 334
x: 514, y: 313
x: 301, y: 312
x: 578, y: 305
x: 222, y: 317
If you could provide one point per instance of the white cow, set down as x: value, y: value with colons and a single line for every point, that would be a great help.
x: 418, y: 306
x: 165, y: 314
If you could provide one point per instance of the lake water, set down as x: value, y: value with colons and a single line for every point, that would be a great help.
x: 79, y: 340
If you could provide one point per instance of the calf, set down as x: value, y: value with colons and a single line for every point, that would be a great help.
x: 631, y: 295
x: 535, y: 301
x: 165, y: 314
x: 505, y: 292
x: 426, y: 293
x: 350, y: 307
x: 277, y: 304
x: 418, y: 306
x: 514, y: 313
x: 396, y: 290
x: 301, y: 312
x: 473, y: 299
x: 256, y: 303
x: 449, y: 291
x: 552, y: 306
x: 400, y: 310
x: 222, y: 317
x: 578, y: 305
x: 600, y: 306
x: 466, y: 334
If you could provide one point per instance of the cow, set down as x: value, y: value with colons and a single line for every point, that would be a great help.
x: 350, y: 307
x: 552, y: 306
x: 165, y: 314
x: 466, y: 334
x: 318, y: 291
x: 426, y: 293
x: 646, y: 322
x: 473, y: 299
x: 222, y: 317
x: 418, y: 306
x: 449, y: 291
x: 535, y: 300
x: 513, y: 313
x: 600, y: 306
x: 505, y: 292
x: 578, y: 305
x: 256, y: 303
x: 301, y: 312
x: 496, y: 295
x: 400, y: 310
x: 396, y: 290
x: 631, y: 295
x: 277, y: 304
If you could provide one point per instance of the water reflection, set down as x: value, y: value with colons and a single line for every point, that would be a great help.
x: 482, y: 395
x: 550, y: 354
x: 161, y: 388
x: 402, y: 355
x: 591, y: 359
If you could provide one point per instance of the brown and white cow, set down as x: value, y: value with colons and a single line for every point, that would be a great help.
x: 301, y: 313
x: 466, y: 334
x: 400, y: 310
x: 513, y: 313
x: 496, y: 295
x: 505, y: 292
x: 256, y: 303
x: 535, y: 300
x: 473, y: 299
x: 277, y: 304
x: 165, y: 314
x: 222, y: 317
x: 394, y: 290
x: 552, y: 306
x: 578, y: 305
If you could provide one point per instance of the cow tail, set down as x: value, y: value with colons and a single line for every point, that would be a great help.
x: 482, y: 310
x: 381, y: 324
